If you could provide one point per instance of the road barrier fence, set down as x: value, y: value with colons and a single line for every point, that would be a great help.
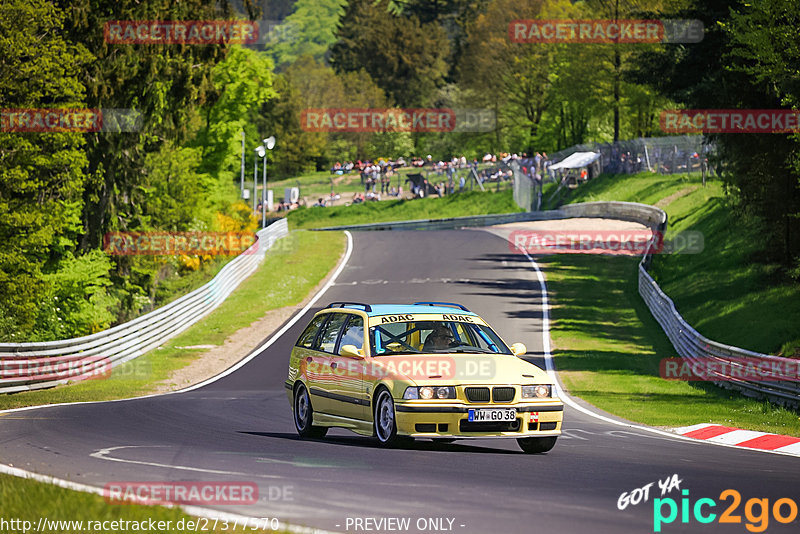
x: 29, y: 366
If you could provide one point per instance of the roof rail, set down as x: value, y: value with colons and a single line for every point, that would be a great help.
x: 450, y: 304
x: 367, y: 307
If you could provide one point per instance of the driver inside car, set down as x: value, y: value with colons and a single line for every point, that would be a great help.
x: 440, y: 338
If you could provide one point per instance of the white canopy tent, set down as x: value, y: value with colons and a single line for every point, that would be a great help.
x: 576, y: 161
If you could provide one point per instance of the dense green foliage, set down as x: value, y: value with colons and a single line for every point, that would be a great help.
x: 61, y: 192
x: 748, y: 59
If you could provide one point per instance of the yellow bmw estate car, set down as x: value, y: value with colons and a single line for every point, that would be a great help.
x: 426, y: 370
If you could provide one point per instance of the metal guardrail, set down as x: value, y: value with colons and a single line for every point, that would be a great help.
x: 688, y: 343
x: 28, y: 366
x: 627, y: 211
x: 439, y: 224
x: 694, y: 347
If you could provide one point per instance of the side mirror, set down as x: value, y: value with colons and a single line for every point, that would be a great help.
x: 518, y: 349
x: 351, y: 351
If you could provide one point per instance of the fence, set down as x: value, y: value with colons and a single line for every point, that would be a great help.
x: 695, y: 348
x: 689, y: 343
x: 28, y: 366
x: 666, y: 155
x: 527, y: 190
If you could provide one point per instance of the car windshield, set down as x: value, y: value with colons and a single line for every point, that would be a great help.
x: 434, y: 336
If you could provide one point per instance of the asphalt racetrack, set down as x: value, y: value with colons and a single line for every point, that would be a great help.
x: 239, y: 428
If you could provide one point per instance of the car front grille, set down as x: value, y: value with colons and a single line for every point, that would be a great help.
x: 503, y: 394
x: 477, y: 394
x: 489, y: 426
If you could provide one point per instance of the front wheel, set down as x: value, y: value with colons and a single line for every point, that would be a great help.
x: 304, y: 415
x: 536, y: 445
x: 385, y: 425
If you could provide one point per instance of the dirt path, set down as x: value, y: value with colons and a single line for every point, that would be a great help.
x: 675, y: 196
x: 215, y: 360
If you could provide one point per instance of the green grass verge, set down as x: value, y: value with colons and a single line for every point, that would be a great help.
x: 607, y: 344
x: 727, y: 292
x: 456, y: 205
x: 28, y: 500
x: 288, y: 273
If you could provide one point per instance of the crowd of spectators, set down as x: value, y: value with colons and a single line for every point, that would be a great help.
x: 442, y: 177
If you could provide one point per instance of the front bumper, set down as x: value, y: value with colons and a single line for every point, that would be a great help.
x: 430, y: 420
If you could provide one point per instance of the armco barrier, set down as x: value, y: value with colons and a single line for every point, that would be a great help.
x: 28, y: 366
x: 628, y: 211
x: 689, y: 344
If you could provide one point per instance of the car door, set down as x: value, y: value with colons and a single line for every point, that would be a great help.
x: 324, y: 399
x: 347, y: 372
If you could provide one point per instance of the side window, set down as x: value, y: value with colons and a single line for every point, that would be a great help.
x: 462, y: 334
x: 353, y: 333
x: 326, y: 341
x: 307, y: 337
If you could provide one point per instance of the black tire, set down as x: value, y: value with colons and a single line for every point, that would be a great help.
x: 537, y: 445
x: 303, y: 415
x: 384, y: 422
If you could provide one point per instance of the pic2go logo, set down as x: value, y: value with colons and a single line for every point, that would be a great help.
x: 756, y: 511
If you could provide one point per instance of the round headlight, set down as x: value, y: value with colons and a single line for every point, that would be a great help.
x: 541, y: 391
x: 426, y: 393
x: 442, y: 393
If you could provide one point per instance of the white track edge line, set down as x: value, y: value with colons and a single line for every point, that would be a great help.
x: 196, y: 511
x: 550, y: 368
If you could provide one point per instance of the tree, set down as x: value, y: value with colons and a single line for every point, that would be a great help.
x: 514, y: 78
x: 309, y: 30
x: 747, y: 60
x: 42, y: 175
x: 242, y: 85
x: 165, y: 83
x: 404, y: 57
x: 318, y: 86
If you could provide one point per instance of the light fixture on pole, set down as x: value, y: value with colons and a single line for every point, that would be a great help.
x: 269, y: 143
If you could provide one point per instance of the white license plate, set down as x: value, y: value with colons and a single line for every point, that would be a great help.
x: 480, y: 415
